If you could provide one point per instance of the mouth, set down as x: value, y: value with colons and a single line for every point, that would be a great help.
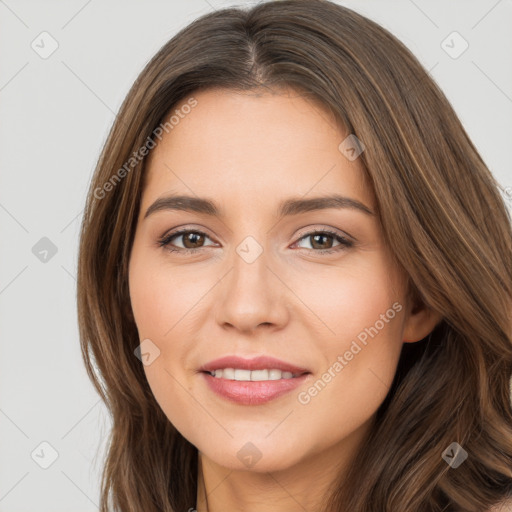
x: 252, y: 381
x: 265, y: 374
x: 257, y: 369
x: 251, y: 392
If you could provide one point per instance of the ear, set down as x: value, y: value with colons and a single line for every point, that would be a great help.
x: 420, y: 321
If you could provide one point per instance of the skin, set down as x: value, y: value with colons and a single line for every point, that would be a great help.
x: 248, y: 152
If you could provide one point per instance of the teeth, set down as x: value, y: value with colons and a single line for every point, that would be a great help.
x: 259, y: 375
x: 229, y: 373
x: 274, y: 374
x: 254, y: 375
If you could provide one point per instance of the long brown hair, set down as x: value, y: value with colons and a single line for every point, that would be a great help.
x: 441, y: 212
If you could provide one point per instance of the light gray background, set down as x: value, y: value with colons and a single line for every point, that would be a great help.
x: 55, y: 114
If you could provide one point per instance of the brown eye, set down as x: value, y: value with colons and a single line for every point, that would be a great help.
x: 193, y: 238
x: 322, y: 241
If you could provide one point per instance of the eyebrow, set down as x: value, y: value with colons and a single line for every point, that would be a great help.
x: 286, y: 208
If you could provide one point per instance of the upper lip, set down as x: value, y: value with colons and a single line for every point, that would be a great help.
x: 256, y: 363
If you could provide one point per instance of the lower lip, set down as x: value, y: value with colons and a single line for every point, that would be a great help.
x: 252, y: 392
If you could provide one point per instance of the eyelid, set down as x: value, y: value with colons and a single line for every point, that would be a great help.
x: 325, y: 229
x: 345, y: 240
x: 185, y: 229
x: 303, y: 232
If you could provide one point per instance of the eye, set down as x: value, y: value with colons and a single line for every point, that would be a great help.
x: 192, y: 241
x: 319, y: 241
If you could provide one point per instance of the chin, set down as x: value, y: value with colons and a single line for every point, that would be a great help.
x: 259, y: 455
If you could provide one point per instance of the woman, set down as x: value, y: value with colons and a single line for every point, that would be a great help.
x: 295, y: 279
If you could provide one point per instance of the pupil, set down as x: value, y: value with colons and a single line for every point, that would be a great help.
x: 315, y: 237
x: 195, y: 236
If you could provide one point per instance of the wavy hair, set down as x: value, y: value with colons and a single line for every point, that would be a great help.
x: 442, y: 215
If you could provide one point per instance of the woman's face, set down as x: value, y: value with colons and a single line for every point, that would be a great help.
x: 255, y: 282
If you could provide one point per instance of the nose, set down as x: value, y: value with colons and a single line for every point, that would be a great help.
x: 252, y: 294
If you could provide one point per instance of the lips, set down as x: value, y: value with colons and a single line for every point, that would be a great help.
x: 252, y: 392
x: 256, y: 363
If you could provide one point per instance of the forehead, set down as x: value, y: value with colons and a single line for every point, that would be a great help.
x: 253, y: 148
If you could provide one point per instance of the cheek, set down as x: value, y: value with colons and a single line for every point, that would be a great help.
x: 362, y: 345
x: 160, y: 301
x: 160, y: 297
x: 166, y: 303
x: 349, y: 299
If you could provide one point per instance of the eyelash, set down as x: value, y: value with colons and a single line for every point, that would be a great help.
x: 344, y: 243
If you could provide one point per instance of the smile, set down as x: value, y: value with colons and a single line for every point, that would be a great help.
x: 252, y: 392
x: 254, y: 375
